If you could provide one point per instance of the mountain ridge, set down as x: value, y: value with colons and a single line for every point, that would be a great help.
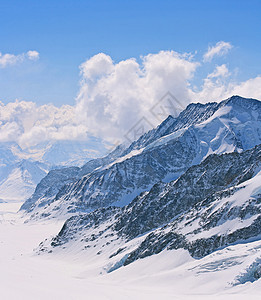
x: 231, y: 125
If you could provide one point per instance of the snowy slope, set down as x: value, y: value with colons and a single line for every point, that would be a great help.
x: 171, y: 274
x: 19, y: 180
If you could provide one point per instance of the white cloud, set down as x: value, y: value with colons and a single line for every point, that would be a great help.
x: 113, y: 97
x: 220, y: 71
x: 9, y: 59
x: 99, y: 65
x: 12, y: 59
x: 250, y: 88
x: 221, y: 48
x: 28, y: 124
x: 33, y: 55
x: 217, y: 88
x: 9, y: 131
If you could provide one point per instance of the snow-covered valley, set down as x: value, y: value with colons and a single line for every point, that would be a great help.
x: 168, y: 275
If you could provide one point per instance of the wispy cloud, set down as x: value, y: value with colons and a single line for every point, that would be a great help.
x: 220, y: 49
x: 12, y: 59
x: 220, y: 71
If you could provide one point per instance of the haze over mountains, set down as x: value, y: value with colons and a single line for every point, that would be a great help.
x: 22, y: 169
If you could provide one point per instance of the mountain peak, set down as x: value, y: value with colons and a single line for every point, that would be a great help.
x: 241, y: 101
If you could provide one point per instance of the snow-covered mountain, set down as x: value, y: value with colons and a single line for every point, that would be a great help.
x: 22, y: 169
x: 19, y: 180
x: 60, y: 153
x: 162, y: 154
x: 212, y: 206
x: 56, y: 179
x: 73, y: 153
x: 193, y: 192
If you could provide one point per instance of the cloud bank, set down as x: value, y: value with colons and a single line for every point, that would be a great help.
x: 28, y: 124
x: 116, y: 97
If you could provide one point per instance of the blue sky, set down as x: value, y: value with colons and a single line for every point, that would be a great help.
x: 66, y: 33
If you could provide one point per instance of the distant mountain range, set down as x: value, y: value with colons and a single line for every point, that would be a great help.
x: 22, y: 169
